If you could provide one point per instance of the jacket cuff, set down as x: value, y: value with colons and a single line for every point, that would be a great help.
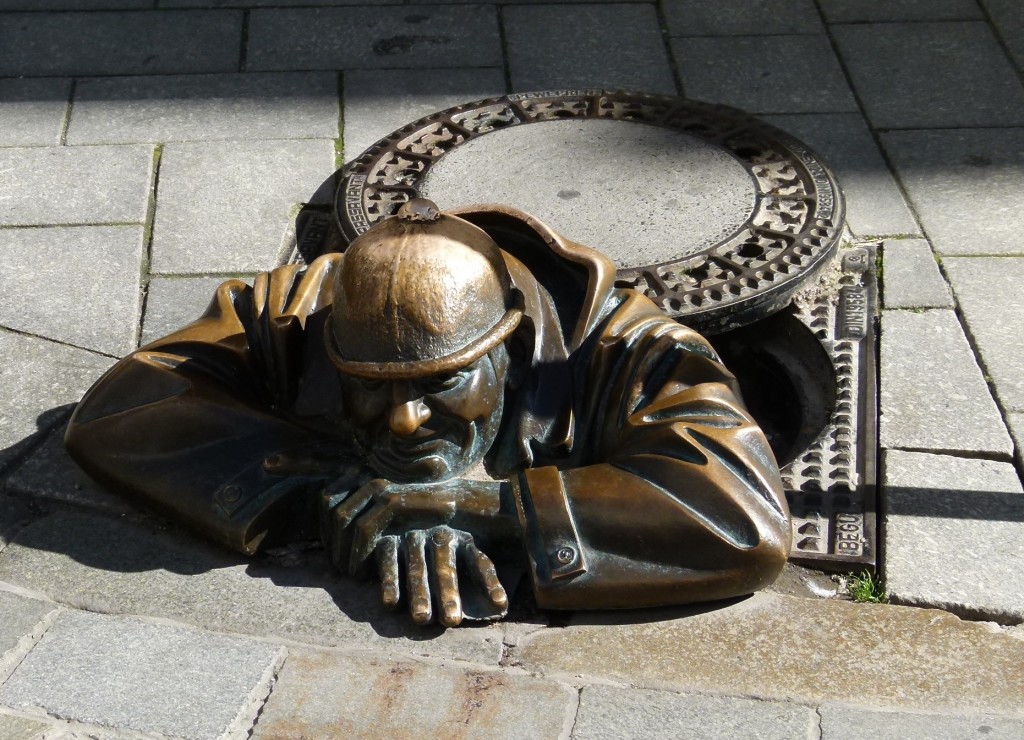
x: 549, y: 531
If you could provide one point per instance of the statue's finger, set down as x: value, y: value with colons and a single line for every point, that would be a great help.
x: 352, y: 506
x: 446, y: 576
x: 387, y: 566
x: 417, y: 588
x: 368, y: 531
x: 486, y: 575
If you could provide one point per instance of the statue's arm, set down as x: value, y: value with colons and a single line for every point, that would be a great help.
x: 685, y: 504
x: 186, y: 423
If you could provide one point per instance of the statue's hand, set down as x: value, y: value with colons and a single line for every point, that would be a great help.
x: 387, y: 520
x: 431, y: 558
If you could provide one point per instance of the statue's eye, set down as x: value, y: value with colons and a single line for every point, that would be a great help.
x: 440, y: 383
x: 371, y: 385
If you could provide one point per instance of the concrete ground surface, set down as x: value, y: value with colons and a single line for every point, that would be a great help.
x: 150, y: 149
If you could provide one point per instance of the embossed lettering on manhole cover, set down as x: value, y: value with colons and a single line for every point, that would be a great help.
x: 714, y: 215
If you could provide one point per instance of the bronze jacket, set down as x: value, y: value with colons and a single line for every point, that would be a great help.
x: 639, y: 477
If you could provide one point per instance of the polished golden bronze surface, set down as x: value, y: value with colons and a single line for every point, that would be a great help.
x: 458, y: 395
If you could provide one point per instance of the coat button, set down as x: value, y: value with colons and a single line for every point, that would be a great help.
x: 565, y: 555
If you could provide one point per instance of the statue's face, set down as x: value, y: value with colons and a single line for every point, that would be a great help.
x: 431, y: 428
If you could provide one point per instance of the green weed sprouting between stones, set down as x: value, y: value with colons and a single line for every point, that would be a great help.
x: 866, y: 589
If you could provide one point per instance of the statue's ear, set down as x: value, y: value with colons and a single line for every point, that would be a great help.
x: 520, y: 354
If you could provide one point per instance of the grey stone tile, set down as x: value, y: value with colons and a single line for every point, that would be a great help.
x: 794, y: 649
x: 745, y: 72
x: 953, y: 530
x: 226, y: 206
x: 50, y: 475
x: 988, y: 291
x: 374, y: 38
x: 369, y: 695
x: 586, y: 46
x: 19, y: 618
x: 740, y: 17
x: 608, y: 713
x: 20, y: 728
x: 174, y: 302
x: 378, y: 102
x: 14, y: 514
x: 154, y: 42
x: 931, y: 75
x: 70, y: 185
x: 866, y: 11
x: 205, y: 107
x: 131, y: 675
x: 846, y: 723
x: 142, y: 568
x: 1008, y: 18
x: 267, y: 3
x: 933, y: 396
x: 960, y: 184
x: 874, y: 204
x: 39, y: 379
x: 911, y: 276
x: 76, y: 284
x: 32, y: 111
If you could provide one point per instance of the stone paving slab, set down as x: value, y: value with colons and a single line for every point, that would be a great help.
x: 608, y: 713
x: 988, y: 290
x: 19, y: 619
x: 933, y: 395
x: 228, y: 206
x: 14, y: 515
x: 49, y: 475
x: 961, y: 184
x: 41, y: 380
x: 171, y: 303
x: 21, y: 728
x: 587, y: 46
x: 373, y: 38
x: 917, y: 75
x: 99, y: 43
x: 874, y: 204
x: 128, y: 674
x: 378, y: 102
x: 71, y: 185
x: 911, y: 276
x: 321, y: 694
x: 47, y: 294
x: 1008, y: 18
x: 842, y: 723
x: 76, y: 4
x: 32, y: 111
x: 129, y: 567
x: 789, y: 648
x: 866, y: 11
x: 741, y: 17
x: 289, y: 105
x: 954, y: 534
x: 745, y: 72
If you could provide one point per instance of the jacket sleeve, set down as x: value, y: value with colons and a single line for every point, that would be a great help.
x: 681, y: 502
x: 185, y: 423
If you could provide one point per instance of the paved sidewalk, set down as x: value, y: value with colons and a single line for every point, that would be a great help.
x: 151, y: 148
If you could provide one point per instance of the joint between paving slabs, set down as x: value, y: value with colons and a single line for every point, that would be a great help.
x: 666, y: 40
x: 243, y: 53
x: 503, y: 41
x: 66, y: 120
x: 16, y: 655
x: 147, y: 238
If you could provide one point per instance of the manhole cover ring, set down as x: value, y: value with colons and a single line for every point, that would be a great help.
x: 793, y: 229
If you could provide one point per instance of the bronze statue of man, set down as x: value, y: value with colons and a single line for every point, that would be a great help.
x: 457, y: 391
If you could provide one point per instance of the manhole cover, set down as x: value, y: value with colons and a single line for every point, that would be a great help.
x: 714, y: 215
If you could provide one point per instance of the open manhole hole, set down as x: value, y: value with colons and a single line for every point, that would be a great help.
x: 721, y: 219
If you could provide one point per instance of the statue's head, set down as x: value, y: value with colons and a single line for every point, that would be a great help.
x: 422, y: 309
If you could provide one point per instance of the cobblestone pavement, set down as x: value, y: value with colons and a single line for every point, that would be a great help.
x: 151, y: 148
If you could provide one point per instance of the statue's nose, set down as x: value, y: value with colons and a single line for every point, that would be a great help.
x: 407, y: 417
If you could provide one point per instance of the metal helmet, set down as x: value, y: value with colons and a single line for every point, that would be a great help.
x: 420, y: 293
